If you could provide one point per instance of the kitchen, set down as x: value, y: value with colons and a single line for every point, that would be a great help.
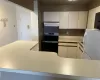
x: 73, y: 18
x: 64, y: 22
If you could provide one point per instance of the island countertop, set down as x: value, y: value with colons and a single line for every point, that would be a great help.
x: 16, y: 57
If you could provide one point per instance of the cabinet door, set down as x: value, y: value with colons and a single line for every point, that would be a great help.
x: 82, y: 21
x: 62, y: 51
x: 73, y: 20
x: 79, y: 53
x: 72, y: 52
x: 85, y: 56
x: 64, y: 20
x: 51, y: 16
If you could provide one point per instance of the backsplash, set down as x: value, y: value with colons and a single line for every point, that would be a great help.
x: 71, y: 32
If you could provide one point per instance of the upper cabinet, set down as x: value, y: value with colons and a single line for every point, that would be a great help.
x: 73, y: 20
x: 82, y: 20
x: 68, y: 20
x: 64, y: 20
x: 51, y: 16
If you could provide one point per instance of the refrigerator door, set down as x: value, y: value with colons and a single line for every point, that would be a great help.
x: 92, y: 43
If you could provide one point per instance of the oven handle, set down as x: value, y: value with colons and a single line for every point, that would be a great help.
x: 50, y: 41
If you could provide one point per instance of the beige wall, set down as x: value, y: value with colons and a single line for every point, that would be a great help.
x: 91, y: 17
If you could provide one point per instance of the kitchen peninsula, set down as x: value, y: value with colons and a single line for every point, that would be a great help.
x: 18, y: 61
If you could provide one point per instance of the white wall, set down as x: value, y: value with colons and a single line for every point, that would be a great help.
x: 21, y: 18
x: 91, y: 17
x: 34, y: 26
x: 8, y: 34
x: 27, y: 18
x: 34, y: 22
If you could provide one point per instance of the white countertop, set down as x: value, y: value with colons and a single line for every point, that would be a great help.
x: 20, y: 45
x: 70, y: 38
x: 17, y: 56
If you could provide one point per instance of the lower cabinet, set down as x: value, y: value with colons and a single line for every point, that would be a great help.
x: 62, y: 51
x: 72, y: 52
x: 85, y: 56
x: 67, y: 52
x: 79, y: 53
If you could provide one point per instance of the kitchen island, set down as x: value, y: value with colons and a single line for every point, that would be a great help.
x: 18, y: 61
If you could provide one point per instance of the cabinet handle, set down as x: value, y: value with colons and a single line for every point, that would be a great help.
x: 80, y: 49
x: 80, y: 44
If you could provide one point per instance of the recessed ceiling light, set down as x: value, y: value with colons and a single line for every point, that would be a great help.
x: 72, y: 0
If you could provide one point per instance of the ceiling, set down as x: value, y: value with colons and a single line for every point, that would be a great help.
x: 24, y: 3
x: 66, y: 2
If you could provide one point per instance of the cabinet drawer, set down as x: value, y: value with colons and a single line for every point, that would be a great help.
x: 68, y: 44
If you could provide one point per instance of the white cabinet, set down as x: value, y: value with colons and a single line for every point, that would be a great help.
x: 72, y: 52
x: 51, y: 16
x: 82, y: 20
x: 73, y: 20
x: 62, y: 51
x: 67, y: 50
x: 68, y: 20
x: 82, y: 55
x: 64, y: 20
x: 79, y: 53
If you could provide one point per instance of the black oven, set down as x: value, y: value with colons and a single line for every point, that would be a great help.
x: 50, y: 37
